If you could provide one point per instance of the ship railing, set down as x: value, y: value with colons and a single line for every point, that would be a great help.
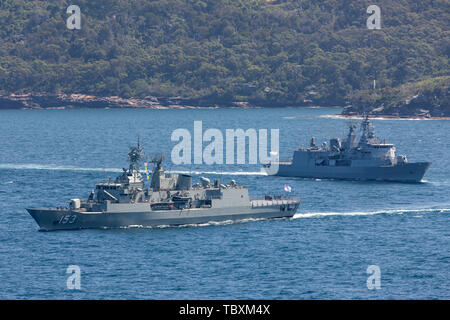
x: 269, y: 203
x: 280, y: 161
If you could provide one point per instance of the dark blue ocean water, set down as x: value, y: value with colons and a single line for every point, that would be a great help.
x: 342, y: 227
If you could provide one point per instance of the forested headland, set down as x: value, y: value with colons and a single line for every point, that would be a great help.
x: 218, y: 52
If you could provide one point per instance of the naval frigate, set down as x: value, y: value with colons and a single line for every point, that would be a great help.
x: 170, y: 200
x: 366, y: 158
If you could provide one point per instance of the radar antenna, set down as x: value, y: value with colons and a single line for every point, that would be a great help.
x: 135, y: 156
x: 352, y: 125
x: 367, y: 129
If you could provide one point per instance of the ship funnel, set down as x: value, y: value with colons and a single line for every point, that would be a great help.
x: 184, y: 182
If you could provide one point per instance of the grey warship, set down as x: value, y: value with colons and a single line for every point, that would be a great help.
x: 170, y: 200
x: 366, y: 158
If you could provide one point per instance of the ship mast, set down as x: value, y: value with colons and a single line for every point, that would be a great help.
x: 135, y: 156
x: 351, y: 136
x: 158, y: 171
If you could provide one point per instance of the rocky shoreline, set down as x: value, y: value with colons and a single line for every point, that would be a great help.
x: 76, y: 101
x: 72, y: 101
x: 407, y: 110
x: 387, y: 117
x: 417, y: 107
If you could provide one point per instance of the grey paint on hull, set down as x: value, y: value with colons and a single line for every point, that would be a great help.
x: 51, y: 219
x: 409, y: 172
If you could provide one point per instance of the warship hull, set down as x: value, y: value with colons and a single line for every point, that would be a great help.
x: 408, y: 172
x: 65, y: 219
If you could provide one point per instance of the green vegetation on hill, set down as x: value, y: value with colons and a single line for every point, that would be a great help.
x: 425, y: 98
x: 264, y: 52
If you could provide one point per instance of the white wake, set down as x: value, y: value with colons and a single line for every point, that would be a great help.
x: 368, y: 213
x: 73, y: 168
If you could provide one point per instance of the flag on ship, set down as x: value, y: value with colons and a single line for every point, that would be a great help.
x: 146, y: 170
